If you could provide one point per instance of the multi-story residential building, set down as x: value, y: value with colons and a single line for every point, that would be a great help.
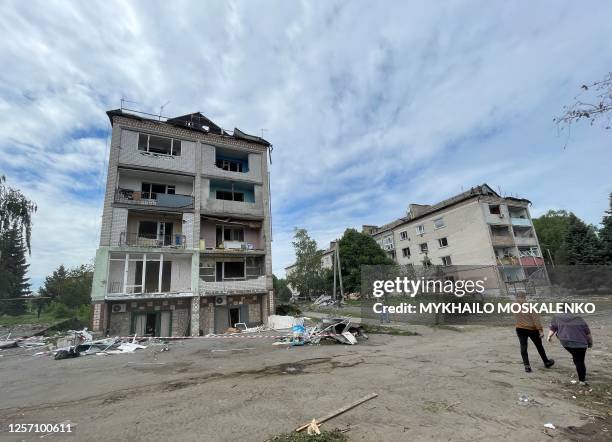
x: 476, y: 228
x: 185, y: 244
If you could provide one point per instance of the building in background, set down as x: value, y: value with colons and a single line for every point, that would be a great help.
x: 477, y: 229
x: 185, y: 244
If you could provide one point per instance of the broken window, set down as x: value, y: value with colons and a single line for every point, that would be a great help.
x: 420, y: 229
x: 230, y: 165
x: 230, y: 195
x: 159, y: 145
x: 424, y: 248
x: 494, y: 209
x: 446, y: 261
x: 406, y: 252
x: 151, y: 190
x: 443, y: 242
x: 226, y: 233
x: 234, y: 270
x: 403, y: 235
x: 439, y: 223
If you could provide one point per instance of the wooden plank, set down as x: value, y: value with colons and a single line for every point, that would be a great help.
x: 338, y: 411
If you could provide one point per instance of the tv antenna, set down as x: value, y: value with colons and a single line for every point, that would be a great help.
x: 161, y: 109
x: 125, y: 100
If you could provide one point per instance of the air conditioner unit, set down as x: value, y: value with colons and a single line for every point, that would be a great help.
x: 220, y: 300
x: 119, y: 308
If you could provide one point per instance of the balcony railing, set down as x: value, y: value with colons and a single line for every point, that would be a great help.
x: 508, y: 261
x: 516, y: 221
x: 233, y: 286
x: 502, y: 240
x: 176, y: 241
x: 151, y: 199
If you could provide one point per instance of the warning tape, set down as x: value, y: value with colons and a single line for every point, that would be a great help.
x: 223, y: 336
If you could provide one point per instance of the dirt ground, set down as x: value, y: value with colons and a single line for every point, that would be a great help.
x: 444, y: 384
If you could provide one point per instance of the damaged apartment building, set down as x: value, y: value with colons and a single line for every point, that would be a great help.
x: 474, y: 234
x: 185, y: 245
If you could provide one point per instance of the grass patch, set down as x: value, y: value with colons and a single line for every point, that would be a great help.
x: 325, y: 436
x: 381, y: 330
x: 596, y: 397
x: 29, y: 318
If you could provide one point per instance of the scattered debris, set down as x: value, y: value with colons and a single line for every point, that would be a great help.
x: 8, y: 344
x: 277, y: 322
x: 550, y: 426
x: 315, y: 423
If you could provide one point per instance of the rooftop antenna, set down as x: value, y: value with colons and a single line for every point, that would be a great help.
x: 125, y: 100
x: 161, y: 109
x: 262, y: 132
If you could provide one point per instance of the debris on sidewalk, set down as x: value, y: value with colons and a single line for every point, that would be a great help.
x: 278, y: 322
x: 314, y: 424
x: 341, y: 330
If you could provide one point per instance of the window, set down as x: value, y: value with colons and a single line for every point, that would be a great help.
x: 424, y: 248
x: 443, y: 242
x: 230, y: 165
x: 226, y: 233
x: 159, y: 145
x: 147, y: 229
x: 420, y: 229
x: 150, y: 190
x: 446, y: 261
x: 403, y: 235
x: 494, y: 209
x: 234, y: 270
x: 439, y: 223
x: 230, y: 195
x: 406, y: 252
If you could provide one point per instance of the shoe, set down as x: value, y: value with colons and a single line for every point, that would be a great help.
x: 527, y: 368
x: 549, y: 363
x: 583, y: 384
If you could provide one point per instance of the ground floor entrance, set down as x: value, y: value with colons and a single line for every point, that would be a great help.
x: 151, y: 323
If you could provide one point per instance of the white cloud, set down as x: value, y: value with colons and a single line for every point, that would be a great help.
x: 369, y: 106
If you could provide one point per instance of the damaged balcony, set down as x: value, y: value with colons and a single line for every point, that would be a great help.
x: 506, y: 256
x: 524, y: 235
x: 154, y: 190
x: 146, y: 229
x: 530, y: 256
x: 501, y: 237
x: 148, y: 275
x: 232, y: 276
x: 519, y: 216
x: 230, y: 197
x: 231, y: 235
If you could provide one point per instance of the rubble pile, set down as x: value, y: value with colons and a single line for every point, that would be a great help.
x: 339, y: 330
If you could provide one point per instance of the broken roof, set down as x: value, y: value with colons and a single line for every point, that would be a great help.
x: 424, y: 210
x: 195, y: 121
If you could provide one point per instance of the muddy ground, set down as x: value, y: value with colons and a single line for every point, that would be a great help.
x: 445, y: 384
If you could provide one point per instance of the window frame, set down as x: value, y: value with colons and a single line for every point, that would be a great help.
x: 420, y: 229
x: 439, y: 219
x: 406, y: 252
x: 403, y: 235
x: 426, y: 247
x: 175, y: 145
x: 440, y: 245
x: 446, y: 261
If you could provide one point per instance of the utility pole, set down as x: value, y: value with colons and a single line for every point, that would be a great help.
x: 339, y: 273
x: 334, y: 266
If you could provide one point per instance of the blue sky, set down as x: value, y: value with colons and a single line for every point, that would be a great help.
x: 370, y: 106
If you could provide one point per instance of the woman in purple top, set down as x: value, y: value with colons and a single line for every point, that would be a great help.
x: 575, y: 336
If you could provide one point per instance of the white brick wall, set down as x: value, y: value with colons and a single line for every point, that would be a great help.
x: 129, y: 154
x: 118, y: 225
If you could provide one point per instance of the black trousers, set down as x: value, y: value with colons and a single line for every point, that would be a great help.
x: 578, y: 355
x: 524, y: 335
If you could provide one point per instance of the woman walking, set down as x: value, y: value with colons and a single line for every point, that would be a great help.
x: 528, y: 326
x: 575, y: 336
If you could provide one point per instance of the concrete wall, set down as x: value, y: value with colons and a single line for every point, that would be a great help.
x: 129, y: 154
x: 210, y: 169
x: 467, y: 233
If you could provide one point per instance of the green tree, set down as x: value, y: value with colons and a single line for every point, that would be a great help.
x: 66, y: 290
x: 307, y: 276
x: 282, y: 293
x: 13, y: 271
x: 605, y: 235
x: 551, y: 229
x: 357, y: 249
x: 15, y: 211
x: 583, y: 245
